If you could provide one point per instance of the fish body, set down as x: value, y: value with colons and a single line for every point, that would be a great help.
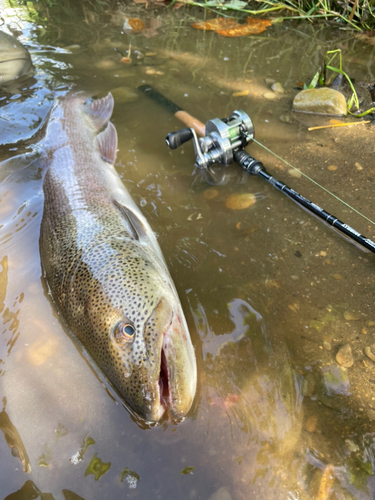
x: 104, y: 268
x: 15, y: 61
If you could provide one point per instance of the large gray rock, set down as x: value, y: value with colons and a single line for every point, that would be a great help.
x: 15, y: 61
x: 324, y: 100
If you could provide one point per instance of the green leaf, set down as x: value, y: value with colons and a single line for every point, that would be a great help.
x: 314, y: 81
x: 188, y: 470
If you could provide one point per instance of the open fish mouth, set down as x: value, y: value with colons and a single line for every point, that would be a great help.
x: 177, y: 378
x: 164, y: 382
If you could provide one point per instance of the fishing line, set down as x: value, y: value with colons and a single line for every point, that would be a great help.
x: 224, y: 140
x: 314, y: 182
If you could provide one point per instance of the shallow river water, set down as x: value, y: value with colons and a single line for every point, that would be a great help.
x: 270, y: 293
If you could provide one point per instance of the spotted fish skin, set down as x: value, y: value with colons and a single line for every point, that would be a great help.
x: 104, y: 268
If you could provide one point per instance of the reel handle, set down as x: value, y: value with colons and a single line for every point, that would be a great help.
x: 175, y: 139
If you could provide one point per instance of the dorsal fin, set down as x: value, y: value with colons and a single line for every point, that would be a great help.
x: 136, y: 226
x: 106, y: 143
x: 100, y: 111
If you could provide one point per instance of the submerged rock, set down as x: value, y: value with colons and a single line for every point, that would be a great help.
x: 221, y: 494
x: 15, y: 61
x: 278, y: 88
x: 336, y: 380
x: 323, y: 100
x: 240, y: 201
x: 344, y: 356
x: 369, y: 353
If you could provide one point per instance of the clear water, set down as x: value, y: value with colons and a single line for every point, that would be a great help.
x: 265, y: 290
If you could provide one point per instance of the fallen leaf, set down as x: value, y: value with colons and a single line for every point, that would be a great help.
x: 135, y: 24
x: 253, y: 26
x: 335, y: 122
x: 215, y: 24
x: 232, y: 28
x: 256, y: 21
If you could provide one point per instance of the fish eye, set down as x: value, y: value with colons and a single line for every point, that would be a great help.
x: 126, y: 331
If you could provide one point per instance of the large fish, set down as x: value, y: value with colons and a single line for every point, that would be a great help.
x: 104, y: 268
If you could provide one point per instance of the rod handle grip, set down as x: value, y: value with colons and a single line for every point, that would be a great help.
x: 175, y: 139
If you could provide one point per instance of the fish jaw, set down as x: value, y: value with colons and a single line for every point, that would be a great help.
x: 178, y: 368
x: 169, y: 383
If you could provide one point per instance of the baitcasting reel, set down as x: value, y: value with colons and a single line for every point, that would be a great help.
x: 223, y: 138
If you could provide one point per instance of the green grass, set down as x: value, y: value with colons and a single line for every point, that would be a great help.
x: 358, y: 15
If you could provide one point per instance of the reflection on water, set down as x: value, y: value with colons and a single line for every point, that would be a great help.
x: 270, y: 295
x: 13, y: 439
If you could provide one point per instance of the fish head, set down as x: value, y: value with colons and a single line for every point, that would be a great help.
x: 141, y: 339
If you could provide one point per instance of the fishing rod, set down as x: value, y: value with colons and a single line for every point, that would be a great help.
x: 224, y: 140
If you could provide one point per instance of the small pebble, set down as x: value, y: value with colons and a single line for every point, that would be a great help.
x: 269, y: 81
x: 285, y: 118
x: 369, y: 354
x: 311, y: 423
x: 337, y: 277
x: 323, y: 254
x: 240, y: 201
x: 327, y: 346
x: 294, y: 277
x: 370, y: 323
x: 210, y: 193
x: 364, y: 331
x: 278, y: 88
x: 332, y: 167
x: 351, y: 316
x: 294, y: 173
x: 344, y: 357
x: 351, y: 446
x: 358, y: 166
x: 270, y: 96
x: 247, y: 228
x: 153, y: 71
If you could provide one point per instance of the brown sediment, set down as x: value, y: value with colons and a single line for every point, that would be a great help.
x: 207, y: 68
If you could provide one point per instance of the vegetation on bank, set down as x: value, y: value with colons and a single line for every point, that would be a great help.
x: 352, y: 14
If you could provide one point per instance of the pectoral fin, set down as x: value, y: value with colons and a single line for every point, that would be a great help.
x: 136, y: 227
x: 106, y: 143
